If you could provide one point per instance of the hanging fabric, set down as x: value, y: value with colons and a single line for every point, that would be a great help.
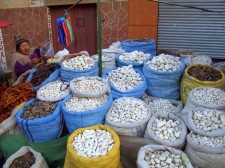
x: 65, y: 31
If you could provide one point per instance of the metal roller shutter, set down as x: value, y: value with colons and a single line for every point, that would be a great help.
x: 193, y: 29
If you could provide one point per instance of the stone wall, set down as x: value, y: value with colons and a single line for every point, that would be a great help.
x: 115, y: 22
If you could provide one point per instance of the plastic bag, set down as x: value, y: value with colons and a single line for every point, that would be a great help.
x: 178, y: 143
x: 39, y: 159
x: 41, y: 129
x: 191, y: 125
x: 53, y: 151
x: 110, y: 160
x: 178, y: 104
x: 62, y: 53
x: 163, y: 84
x: 193, y: 103
x: 188, y: 83
x: 77, y: 93
x: 46, y: 49
x: 130, y: 129
x: 203, y: 156
x: 53, y: 99
x: 136, y: 92
x: 141, y: 163
x: 77, y: 119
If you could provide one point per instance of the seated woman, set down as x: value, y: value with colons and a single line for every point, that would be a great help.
x: 24, y: 58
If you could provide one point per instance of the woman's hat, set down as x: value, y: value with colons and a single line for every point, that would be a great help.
x: 20, y: 39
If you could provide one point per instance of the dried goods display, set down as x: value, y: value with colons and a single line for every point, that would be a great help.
x: 93, y: 143
x: 24, y: 161
x: 163, y: 159
x: 124, y: 78
x: 53, y: 90
x: 128, y: 110
x: 88, y: 85
x: 201, y: 59
x: 38, y: 109
x: 79, y: 62
x: 161, y: 105
x: 42, y: 73
x: 14, y: 96
x: 135, y: 56
x: 208, y: 95
x: 204, y: 73
x: 164, y: 63
x: 209, y: 119
x: 85, y: 104
x: 167, y: 129
x: 218, y: 141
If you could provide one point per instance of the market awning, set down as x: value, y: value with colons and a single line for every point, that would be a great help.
x: 5, y: 24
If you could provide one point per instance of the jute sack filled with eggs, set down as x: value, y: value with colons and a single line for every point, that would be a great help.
x: 207, y: 97
x: 53, y: 91
x: 26, y: 157
x: 77, y: 67
x: 163, y: 75
x: 125, y: 81
x: 128, y: 116
x: 207, y: 122
x: 89, y: 86
x: 166, y: 129
x: 206, y: 151
x: 97, y: 146
x: 85, y: 111
x: 160, y: 156
x: 200, y: 76
x: 40, y: 121
x: 157, y: 105
x: 135, y: 58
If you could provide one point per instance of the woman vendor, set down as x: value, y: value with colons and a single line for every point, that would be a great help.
x: 24, y: 58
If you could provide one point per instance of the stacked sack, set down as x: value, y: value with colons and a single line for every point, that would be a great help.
x: 88, y: 104
x: 41, y: 118
x: 77, y: 67
x: 146, y: 45
x: 165, y: 127
x: 163, y: 75
x: 204, y: 114
x: 200, y: 75
x: 158, y: 105
x: 126, y: 81
x: 135, y: 58
x: 162, y: 156
x: 128, y: 116
x: 96, y: 146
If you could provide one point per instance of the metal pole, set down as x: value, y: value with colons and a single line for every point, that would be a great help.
x: 99, y: 38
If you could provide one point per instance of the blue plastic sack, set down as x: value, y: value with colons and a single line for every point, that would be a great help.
x: 67, y: 74
x: 163, y: 84
x: 76, y: 119
x: 41, y: 129
x: 137, y: 92
x: 145, y: 47
x: 135, y: 65
x: 52, y: 77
